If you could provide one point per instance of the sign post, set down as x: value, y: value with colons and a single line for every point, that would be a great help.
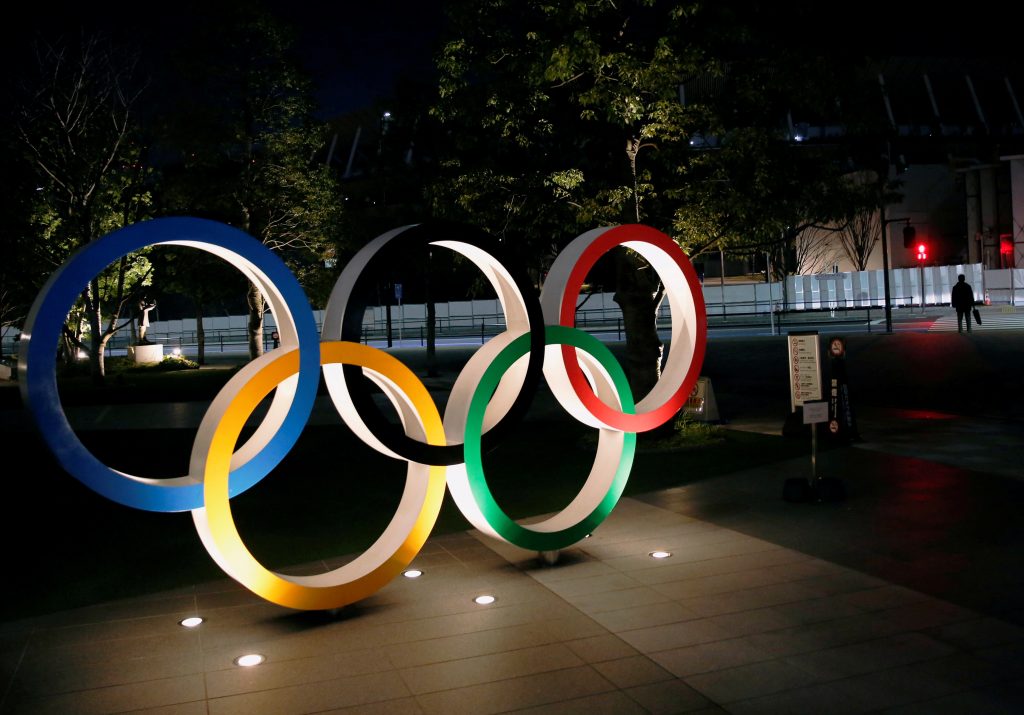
x: 806, y: 393
x: 817, y: 488
x: 815, y: 413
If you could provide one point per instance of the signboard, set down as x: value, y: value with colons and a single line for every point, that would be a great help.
x: 698, y: 395
x: 815, y: 412
x: 841, y: 424
x: 701, y: 403
x: 804, y: 368
x: 398, y: 292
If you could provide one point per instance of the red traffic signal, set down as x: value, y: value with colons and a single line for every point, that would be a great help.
x: 922, y: 252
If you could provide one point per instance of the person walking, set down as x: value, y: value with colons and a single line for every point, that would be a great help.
x: 962, y: 299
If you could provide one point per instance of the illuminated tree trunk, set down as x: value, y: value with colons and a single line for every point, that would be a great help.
x: 97, y: 368
x: 256, y: 308
x: 200, y: 335
x: 638, y: 294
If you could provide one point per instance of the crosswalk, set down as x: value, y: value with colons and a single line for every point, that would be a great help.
x: 1001, y: 318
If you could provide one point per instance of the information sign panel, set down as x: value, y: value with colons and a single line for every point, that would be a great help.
x: 804, y: 368
x: 815, y: 412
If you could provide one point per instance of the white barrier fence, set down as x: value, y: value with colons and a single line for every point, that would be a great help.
x: 858, y: 289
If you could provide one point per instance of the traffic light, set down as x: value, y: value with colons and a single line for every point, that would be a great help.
x: 922, y: 252
x: 909, y: 234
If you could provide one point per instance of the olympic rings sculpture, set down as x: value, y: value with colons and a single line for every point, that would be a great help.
x: 494, y: 388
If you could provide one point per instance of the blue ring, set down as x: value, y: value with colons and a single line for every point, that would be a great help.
x: 42, y: 330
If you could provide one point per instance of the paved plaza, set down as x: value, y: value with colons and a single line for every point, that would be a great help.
x: 905, y: 597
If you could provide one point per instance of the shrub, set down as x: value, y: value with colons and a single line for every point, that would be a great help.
x: 694, y: 433
x: 175, y: 362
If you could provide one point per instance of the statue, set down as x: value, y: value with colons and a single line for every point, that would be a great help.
x: 145, y: 305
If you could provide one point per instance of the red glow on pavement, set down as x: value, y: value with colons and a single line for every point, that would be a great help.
x: 924, y: 415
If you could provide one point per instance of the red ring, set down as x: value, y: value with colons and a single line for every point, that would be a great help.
x: 646, y: 420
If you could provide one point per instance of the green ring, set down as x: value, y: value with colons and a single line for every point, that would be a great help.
x: 495, y: 516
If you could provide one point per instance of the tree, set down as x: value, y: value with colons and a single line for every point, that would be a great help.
x: 205, y: 279
x: 816, y: 250
x: 859, y: 236
x: 21, y: 271
x: 75, y: 119
x: 556, y: 116
x: 248, y: 151
x: 563, y: 116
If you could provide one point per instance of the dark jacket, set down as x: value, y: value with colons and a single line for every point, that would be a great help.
x: 962, y: 296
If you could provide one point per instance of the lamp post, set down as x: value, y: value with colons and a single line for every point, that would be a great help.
x: 885, y: 265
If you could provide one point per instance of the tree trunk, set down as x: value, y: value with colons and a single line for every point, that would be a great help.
x: 97, y: 369
x: 256, y: 307
x: 67, y: 350
x: 638, y: 296
x: 200, y: 333
x: 133, y: 332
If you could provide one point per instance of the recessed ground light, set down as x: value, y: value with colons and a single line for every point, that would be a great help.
x: 248, y: 661
x: 660, y: 554
x: 484, y: 600
x: 191, y: 622
x: 413, y: 573
x: 588, y: 536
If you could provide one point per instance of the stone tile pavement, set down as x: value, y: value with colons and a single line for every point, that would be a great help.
x: 730, y: 622
x: 906, y: 597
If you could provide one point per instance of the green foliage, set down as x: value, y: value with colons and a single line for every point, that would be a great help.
x: 122, y: 366
x: 241, y: 124
x: 540, y: 100
x: 249, y: 152
x: 561, y: 117
x: 694, y: 433
x: 565, y: 116
x: 22, y: 268
x: 77, y: 130
x: 171, y: 363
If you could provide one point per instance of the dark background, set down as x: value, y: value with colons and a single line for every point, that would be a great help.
x: 356, y: 51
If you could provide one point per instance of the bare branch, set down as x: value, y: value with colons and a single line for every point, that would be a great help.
x: 568, y: 81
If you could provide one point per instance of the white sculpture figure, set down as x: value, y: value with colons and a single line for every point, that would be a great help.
x: 145, y: 305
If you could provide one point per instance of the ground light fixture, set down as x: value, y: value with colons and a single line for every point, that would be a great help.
x: 660, y: 554
x: 249, y: 660
x: 190, y: 622
x: 484, y: 600
x: 412, y: 573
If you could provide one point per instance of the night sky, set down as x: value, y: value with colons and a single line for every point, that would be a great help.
x: 356, y: 51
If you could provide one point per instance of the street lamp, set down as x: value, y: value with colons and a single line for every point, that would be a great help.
x: 885, y: 265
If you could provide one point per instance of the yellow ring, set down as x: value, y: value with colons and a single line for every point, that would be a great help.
x: 397, y: 546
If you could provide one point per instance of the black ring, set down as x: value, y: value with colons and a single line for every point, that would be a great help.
x: 361, y: 388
